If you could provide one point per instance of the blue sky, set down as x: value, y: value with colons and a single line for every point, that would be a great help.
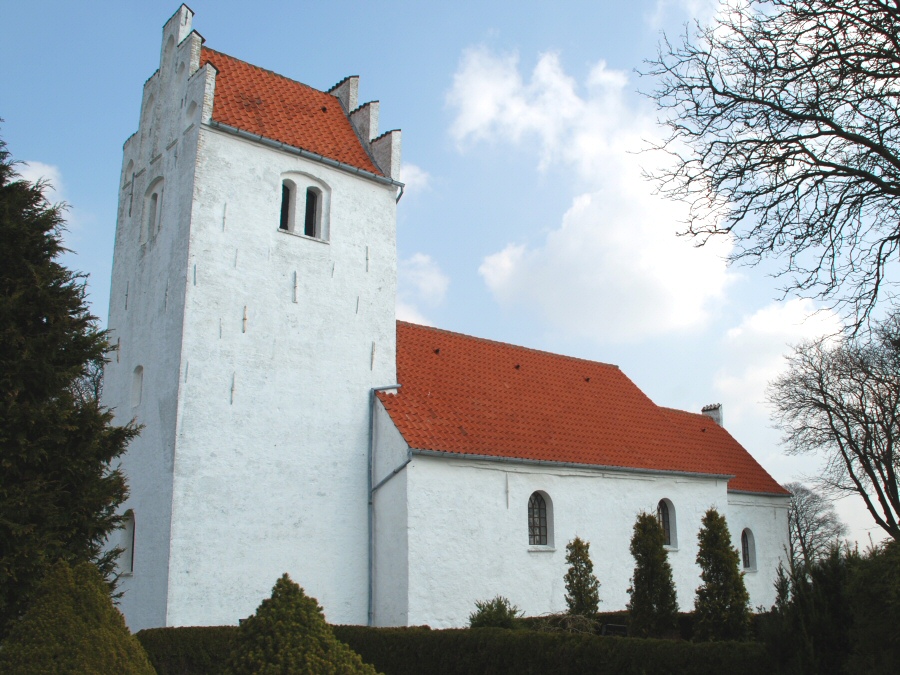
x: 526, y: 218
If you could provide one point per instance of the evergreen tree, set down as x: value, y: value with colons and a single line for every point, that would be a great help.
x: 653, y: 607
x: 582, y: 587
x: 58, y: 495
x: 72, y: 626
x: 288, y: 634
x: 722, y: 607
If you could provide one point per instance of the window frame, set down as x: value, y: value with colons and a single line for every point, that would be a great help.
x: 668, y: 522
x: 300, y: 222
x: 748, y: 550
x: 540, y: 521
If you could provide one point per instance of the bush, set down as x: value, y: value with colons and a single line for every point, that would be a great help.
x: 875, y: 603
x: 722, y: 607
x: 288, y: 634
x: 496, y: 613
x: 491, y: 651
x: 190, y: 650
x: 582, y: 587
x: 72, y: 627
x: 653, y: 607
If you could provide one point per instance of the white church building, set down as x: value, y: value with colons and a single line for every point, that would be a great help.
x: 397, y: 472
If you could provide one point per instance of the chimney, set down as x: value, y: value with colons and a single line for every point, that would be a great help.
x: 714, y: 412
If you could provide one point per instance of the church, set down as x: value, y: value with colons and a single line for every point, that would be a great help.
x: 291, y: 424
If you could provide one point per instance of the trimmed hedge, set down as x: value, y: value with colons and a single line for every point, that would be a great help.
x: 413, y: 651
x: 192, y: 650
x: 495, y: 651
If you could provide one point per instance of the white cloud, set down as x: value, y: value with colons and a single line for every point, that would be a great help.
x: 420, y: 281
x: 34, y: 171
x: 614, y: 269
x: 702, y: 10
x: 415, y: 177
x: 755, y: 351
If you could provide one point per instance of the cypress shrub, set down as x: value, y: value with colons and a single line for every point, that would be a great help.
x: 722, y: 607
x: 653, y: 606
x: 875, y: 603
x: 72, y: 627
x: 582, y: 587
x: 288, y: 634
x: 496, y: 613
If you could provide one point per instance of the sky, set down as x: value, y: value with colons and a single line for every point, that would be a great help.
x: 526, y: 217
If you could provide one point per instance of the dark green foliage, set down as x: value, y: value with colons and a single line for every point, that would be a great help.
x: 875, y: 604
x: 838, y: 614
x: 722, y: 607
x: 58, y: 497
x: 582, y: 587
x: 490, y: 651
x: 72, y: 627
x: 190, y: 650
x: 653, y: 607
x: 288, y: 634
x: 496, y: 613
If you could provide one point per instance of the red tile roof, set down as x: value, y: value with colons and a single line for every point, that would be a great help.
x: 270, y: 105
x: 471, y: 396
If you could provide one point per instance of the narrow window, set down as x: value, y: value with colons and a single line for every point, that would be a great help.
x: 748, y: 550
x: 285, y: 206
x: 537, y: 520
x: 126, y: 558
x: 151, y: 213
x: 310, y: 225
x: 137, y: 386
x: 662, y: 512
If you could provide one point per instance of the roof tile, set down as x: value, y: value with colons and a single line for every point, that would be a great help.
x: 270, y: 105
x: 468, y: 395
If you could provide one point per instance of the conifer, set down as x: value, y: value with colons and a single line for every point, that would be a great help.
x: 58, y: 495
x: 653, y: 607
x: 582, y: 587
x: 72, y: 626
x: 722, y: 606
x: 288, y: 634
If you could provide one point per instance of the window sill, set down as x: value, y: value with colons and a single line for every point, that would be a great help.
x: 303, y: 236
x: 671, y: 549
x: 541, y: 549
x: 749, y: 570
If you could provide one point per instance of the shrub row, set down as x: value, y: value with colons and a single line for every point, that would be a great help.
x: 412, y: 651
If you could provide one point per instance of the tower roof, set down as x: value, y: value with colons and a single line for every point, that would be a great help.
x: 275, y: 107
x: 471, y: 396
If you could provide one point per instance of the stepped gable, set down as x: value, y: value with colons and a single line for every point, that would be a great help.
x: 270, y: 105
x: 471, y: 396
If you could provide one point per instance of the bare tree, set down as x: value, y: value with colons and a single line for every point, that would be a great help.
x: 813, y: 525
x: 841, y: 398
x: 784, y: 128
x: 88, y: 386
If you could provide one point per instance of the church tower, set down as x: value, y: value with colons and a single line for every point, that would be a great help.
x: 252, y: 307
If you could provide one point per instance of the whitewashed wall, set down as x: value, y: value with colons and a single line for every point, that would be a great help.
x: 259, y: 349
x: 468, y: 534
x: 147, y: 305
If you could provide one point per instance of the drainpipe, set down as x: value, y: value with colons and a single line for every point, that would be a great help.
x: 371, y: 494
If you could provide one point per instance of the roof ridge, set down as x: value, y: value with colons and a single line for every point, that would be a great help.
x: 266, y: 70
x: 509, y: 344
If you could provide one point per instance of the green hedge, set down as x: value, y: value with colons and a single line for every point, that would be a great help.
x: 413, y: 651
x: 189, y: 650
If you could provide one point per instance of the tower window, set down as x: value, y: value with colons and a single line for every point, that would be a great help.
x: 748, y: 550
x: 126, y: 558
x: 286, y: 195
x: 300, y: 200
x: 152, y: 210
x: 137, y: 386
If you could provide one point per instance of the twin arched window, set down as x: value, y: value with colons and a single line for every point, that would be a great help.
x: 304, y: 208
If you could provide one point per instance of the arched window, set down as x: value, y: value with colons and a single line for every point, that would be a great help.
x: 540, y: 519
x: 152, y: 210
x: 126, y: 558
x: 748, y: 550
x: 665, y: 512
x: 313, y: 210
x: 137, y: 386
x: 303, y: 197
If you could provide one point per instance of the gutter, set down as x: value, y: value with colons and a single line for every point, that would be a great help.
x: 371, y: 496
x: 306, y: 154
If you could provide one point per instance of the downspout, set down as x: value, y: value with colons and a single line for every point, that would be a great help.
x: 371, y: 494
